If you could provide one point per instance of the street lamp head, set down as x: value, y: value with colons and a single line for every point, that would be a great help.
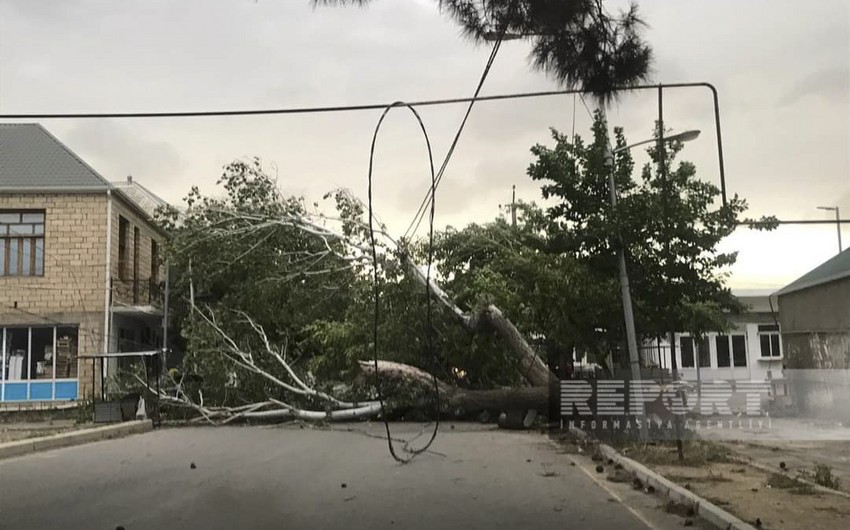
x: 828, y: 208
x: 685, y: 136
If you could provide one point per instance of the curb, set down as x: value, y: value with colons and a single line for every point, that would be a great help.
x: 667, y: 489
x: 68, y: 439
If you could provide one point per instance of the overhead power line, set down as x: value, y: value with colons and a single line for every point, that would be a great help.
x: 290, y: 110
x: 429, y: 195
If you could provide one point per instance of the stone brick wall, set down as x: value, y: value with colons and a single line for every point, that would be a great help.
x: 72, y: 289
x: 74, y: 258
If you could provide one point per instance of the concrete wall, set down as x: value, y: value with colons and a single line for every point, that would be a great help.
x: 820, y: 394
x: 816, y: 326
x: 816, y: 339
x: 72, y: 290
x: 820, y: 309
x: 817, y: 350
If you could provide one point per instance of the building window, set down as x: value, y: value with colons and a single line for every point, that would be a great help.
x: 123, y: 228
x: 135, y: 253
x: 731, y: 350
x: 22, y: 243
x: 739, y: 350
x: 38, y: 352
x: 769, y: 340
x: 154, y: 262
x: 135, y: 264
x: 704, y: 353
x: 687, y: 348
x: 724, y: 357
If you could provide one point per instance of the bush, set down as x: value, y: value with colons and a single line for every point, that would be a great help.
x: 777, y: 480
x: 823, y: 476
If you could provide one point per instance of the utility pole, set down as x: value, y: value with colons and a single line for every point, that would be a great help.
x: 165, y: 314
x: 662, y: 169
x: 626, y: 294
x: 837, y: 222
x: 625, y: 290
x: 513, y: 206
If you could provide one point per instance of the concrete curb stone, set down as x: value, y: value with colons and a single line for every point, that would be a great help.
x: 669, y: 490
x: 68, y: 439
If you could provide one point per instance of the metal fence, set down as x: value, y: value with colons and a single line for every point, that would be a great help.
x: 137, y: 292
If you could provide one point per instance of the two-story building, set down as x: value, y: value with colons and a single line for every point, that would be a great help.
x: 80, y: 270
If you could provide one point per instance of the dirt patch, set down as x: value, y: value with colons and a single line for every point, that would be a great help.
x: 783, y: 481
x: 800, y: 457
x: 698, y: 453
x: 776, y: 500
x: 708, y: 478
x: 682, y: 510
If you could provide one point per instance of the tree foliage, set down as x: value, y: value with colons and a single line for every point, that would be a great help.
x: 243, y: 252
x: 578, y: 42
x: 668, y: 219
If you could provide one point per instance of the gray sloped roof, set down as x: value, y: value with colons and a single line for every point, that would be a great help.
x: 143, y: 197
x: 834, y: 269
x: 32, y: 159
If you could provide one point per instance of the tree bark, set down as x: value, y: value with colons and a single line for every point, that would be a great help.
x: 536, y: 397
x: 535, y: 370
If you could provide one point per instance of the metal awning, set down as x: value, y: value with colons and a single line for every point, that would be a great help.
x: 150, y: 353
x: 137, y: 310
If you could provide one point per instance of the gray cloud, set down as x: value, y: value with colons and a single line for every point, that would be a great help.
x: 833, y: 84
x: 116, y: 151
x: 201, y: 54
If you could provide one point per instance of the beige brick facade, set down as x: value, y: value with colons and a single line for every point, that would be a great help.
x: 124, y: 285
x: 73, y: 289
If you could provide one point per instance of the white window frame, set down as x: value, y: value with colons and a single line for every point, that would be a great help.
x: 770, y: 333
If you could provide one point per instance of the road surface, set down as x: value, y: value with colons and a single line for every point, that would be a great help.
x: 288, y: 477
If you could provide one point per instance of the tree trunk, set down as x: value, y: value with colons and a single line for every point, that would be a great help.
x: 535, y: 370
x: 536, y: 397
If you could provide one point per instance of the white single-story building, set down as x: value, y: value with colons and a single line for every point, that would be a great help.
x: 751, y: 350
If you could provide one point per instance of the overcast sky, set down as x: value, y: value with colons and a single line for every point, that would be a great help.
x: 782, y: 69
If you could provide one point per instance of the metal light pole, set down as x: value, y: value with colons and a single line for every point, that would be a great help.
x: 625, y: 290
x: 513, y: 206
x: 837, y: 221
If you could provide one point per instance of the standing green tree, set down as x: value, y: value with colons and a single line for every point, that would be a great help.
x: 684, y: 291
x: 553, y: 298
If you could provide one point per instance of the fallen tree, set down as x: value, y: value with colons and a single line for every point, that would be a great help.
x: 454, y: 401
x: 240, y: 253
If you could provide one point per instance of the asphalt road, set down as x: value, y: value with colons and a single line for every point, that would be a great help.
x: 275, y: 478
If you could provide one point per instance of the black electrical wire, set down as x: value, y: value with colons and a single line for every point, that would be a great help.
x: 420, y: 212
x: 289, y: 110
x: 377, y: 290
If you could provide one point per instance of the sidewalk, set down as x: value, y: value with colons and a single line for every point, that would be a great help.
x: 73, y: 437
x: 11, y: 432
